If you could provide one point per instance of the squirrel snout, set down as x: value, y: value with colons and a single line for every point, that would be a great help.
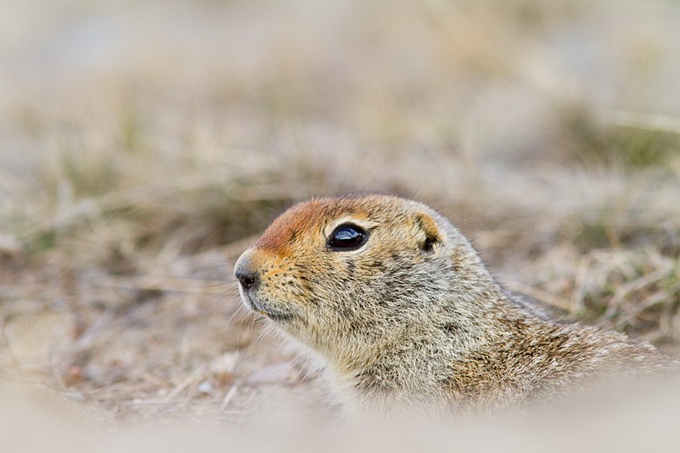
x: 244, y: 273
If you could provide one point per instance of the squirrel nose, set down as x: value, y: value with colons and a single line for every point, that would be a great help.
x: 244, y: 273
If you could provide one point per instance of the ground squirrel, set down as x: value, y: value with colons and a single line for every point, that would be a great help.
x: 400, y: 308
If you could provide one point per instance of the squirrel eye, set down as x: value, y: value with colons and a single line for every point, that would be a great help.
x: 347, y: 237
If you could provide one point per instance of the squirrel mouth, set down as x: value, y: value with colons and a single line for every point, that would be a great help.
x: 254, y: 305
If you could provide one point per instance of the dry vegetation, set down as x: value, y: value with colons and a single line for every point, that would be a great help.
x: 144, y: 144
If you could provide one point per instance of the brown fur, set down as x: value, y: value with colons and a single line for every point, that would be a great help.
x: 413, y: 318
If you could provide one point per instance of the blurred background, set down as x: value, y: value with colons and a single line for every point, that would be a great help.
x: 144, y: 144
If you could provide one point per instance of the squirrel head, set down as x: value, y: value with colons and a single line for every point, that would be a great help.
x: 344, y: 273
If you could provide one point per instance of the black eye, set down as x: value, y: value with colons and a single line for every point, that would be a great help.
x: 347, y: 237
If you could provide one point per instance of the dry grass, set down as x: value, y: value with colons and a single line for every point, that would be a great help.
x: 145, y: 144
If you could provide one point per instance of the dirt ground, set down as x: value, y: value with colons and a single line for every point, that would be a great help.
x: 145, y: 144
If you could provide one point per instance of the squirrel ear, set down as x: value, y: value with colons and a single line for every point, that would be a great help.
x: 431, y: 235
